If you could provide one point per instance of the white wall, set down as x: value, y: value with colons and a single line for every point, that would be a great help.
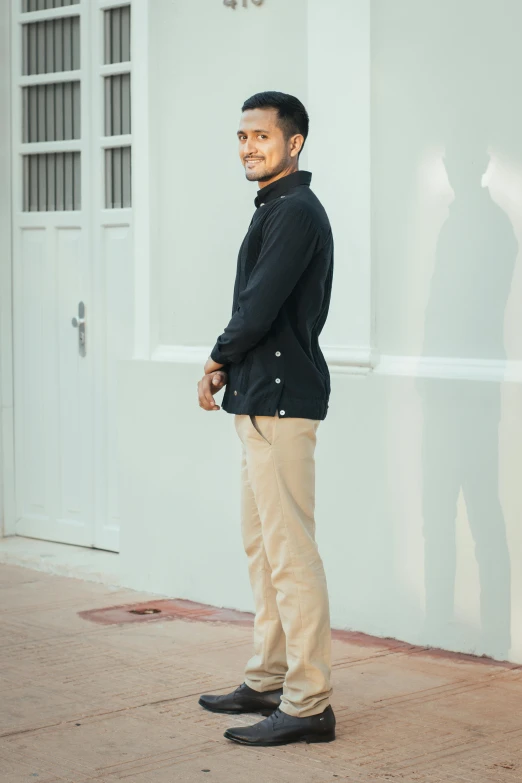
x: 205, y: 61
x: 447, y: 230
x: 418, y: 462
x: 445, y: 76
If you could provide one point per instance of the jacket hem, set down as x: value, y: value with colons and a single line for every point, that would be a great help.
x: 293, y: 407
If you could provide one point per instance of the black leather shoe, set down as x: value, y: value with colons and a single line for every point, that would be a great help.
x: 243, y: 699
x: 280, y: 729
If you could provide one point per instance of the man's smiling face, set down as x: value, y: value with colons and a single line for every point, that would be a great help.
x: 263, y: 149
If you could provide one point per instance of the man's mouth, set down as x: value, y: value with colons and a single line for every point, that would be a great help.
x: 253, y: 160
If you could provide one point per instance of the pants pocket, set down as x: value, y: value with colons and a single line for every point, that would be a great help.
x: 255, y: 424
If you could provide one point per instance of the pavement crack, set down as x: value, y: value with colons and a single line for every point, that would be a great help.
x: 32, y: 730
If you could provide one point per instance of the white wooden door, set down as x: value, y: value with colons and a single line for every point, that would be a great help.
x: 72, y: 259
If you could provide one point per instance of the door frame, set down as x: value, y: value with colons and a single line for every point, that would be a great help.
x: 7, y: 477
x: 143, y: 313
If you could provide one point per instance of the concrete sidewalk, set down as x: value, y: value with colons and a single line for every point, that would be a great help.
x: 84, y: 701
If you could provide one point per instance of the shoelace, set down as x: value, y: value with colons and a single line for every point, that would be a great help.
x: 274, y: 716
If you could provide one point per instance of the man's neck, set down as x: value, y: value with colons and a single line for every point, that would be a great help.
x: 279, y: 176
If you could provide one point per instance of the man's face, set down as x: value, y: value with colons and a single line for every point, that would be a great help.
x: 263, y: 149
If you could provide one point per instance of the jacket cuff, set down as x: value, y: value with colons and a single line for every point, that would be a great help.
x: 218, y: 357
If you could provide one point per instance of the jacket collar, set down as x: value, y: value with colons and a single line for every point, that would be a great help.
x: 281, y: 186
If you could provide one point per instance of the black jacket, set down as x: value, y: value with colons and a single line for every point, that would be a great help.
x: 270, y: 347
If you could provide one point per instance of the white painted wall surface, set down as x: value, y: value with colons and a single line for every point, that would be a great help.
x: 419, y: 497
x: 206, y: 59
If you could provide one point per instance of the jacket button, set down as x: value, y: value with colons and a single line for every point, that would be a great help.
x: 281, y: 413
x: 235, y: 393
x: 278, y: 380
x: 278, y: 353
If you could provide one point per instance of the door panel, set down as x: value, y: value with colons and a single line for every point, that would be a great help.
x: 31, y: 467
x: 75, y: 405
x: 118, y: 341
x: 53, y: 383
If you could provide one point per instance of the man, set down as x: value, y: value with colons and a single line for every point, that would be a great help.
x: 278, y: 387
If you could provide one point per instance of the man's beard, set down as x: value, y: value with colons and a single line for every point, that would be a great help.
x: 264, y: 174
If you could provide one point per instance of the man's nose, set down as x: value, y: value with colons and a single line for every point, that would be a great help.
x: 250, y: 147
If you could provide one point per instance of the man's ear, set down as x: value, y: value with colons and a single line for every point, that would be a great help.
x: 296, y: 145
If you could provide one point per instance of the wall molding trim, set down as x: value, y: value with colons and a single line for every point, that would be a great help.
x: 361, y: 360
x: 350, y: 360
x: 450, y: 368
x: 181, y: 354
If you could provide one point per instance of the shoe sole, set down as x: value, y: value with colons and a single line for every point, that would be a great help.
x: 309, y: 739
x: 266, y: 712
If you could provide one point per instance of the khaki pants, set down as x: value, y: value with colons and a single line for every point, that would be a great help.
x: 292, y: 635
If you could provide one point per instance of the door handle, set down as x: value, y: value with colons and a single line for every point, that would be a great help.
x: 79, y: 323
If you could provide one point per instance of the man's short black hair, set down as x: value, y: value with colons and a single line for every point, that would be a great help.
x: 293, y: 117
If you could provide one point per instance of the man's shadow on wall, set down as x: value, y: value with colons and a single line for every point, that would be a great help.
x: 475, y: 259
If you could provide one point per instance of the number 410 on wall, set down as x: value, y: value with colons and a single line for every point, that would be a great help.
x: 233, y: 3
